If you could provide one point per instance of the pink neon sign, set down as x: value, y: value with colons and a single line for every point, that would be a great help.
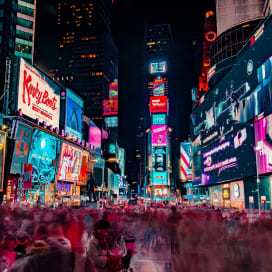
x: 159, y: 134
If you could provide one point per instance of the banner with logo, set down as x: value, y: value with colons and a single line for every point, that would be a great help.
x: 27, y: 180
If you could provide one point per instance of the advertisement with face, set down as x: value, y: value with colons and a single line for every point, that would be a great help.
x: 69, y: 163
x: 74, y: 109
x: 226, y: 160
x: 95, y: 137
x: 41, y: 155
x: 38, y: 96
x: 159, y: 135
x: 263, y: 142
x: 2, y: 157
x: 21, y: 148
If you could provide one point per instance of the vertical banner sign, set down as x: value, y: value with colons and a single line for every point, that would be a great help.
x: 27, y: 181
x: 185, y: 161
x: 2, y: 157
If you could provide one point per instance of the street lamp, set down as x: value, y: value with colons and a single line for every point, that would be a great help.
x: 257, y: 148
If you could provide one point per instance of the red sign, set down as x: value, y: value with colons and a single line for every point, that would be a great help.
x: 27, y: 181
x: 158, y: 104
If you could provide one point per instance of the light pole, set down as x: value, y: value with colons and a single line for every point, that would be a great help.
x: 258, y: 179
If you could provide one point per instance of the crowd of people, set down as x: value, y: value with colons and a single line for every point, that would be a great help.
x: 89, y: 239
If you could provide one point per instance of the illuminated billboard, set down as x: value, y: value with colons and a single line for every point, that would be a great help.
x: 38, y: 96
x: 159, y: 178
x: 21, y: 148
x: 2, y: 157
x: 226, y: 160
x: 74, y: 109
x: 158, y: 119
x: 110, y: 106
x: 159, y: 135
x: 42, y: 152
x: 158, y: 88
x: 159, y: 155
x: 185, y: 161
x: 83, y: 176
x: 263, y: 142
x: 113, y: 91
x: 69, y: 163
x: 156, y: 67
x: 158, y: 104
x: 95, y: 137
x: 111, y: 121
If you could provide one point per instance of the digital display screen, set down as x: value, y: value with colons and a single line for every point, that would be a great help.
x: 111, y: 121
x: 158, y: 119
x: 42, y: 152
x: 157, y: 67
x: 158, y: 88
x: 95, y: 137
x: 159, y: 178
x: 185, y: 161
x: 158, y: 104
x: 226, y: 160
x: 263, y: 142
x: 74, y: 109
x: 159, y: 134
x: 21, y: 148
x: 159, y: 161
x: 69, y: 163
x: 2, y: 157
x: 110, y: 106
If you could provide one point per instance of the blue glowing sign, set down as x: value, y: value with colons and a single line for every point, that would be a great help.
x: 42, y: 153
x: 158, y: 119
x: 159, y: 178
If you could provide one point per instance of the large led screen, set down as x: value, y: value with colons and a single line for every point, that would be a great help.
x: 95, y: 137
x: 263, y: 143
x: 185, y: 161
x: 113, y: 91
x: 156, y: 67
x: 74, y: 109
x: 232, y: 158
x: 21, y: 148
x: 38, y: 96
x: 110, y: 106
x: 159, y: 119
x: 159, y: 178
x: 111, y: 121
x: 159, y: 161
x: 2, y: 157
x: 83, y: 176
x: 42, y: 152
x: 158, y: 104
x: 158, y: 88
x: 159, y: 135
x: 69, y: 163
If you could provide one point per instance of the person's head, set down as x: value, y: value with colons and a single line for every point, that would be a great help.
x: 22, y: 237
x: 101, y: 228
x: 41, y: 232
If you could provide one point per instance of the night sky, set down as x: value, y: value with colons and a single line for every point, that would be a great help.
x: 128, y: 17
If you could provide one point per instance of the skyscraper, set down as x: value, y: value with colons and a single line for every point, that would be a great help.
x: 87, y: 54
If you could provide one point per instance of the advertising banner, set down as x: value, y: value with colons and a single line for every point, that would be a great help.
x: 21, y: 148
x: 2, y: 157
x: 159, y: 178
x: 113, y: 91
x: 110, y: 106
x: 159, y: 159
x: 158, y: 119
x: 111, y: 121
x: 95, y: 137
x: 38, y: 96
x: 42, y: 155
x: 263, y: 142
x: 226, y: 160
x: 158, y: 104
x: 159, y: 135
x: 27, y: 178
x: 84, y: 168
x: 185, y: 161
x: 158, y: 88
x: 69, y: 163
x: 74, y: 109
x: 156, y: 67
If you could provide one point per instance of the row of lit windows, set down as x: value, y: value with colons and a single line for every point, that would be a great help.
x: 88, y: 56
x: 97, y: 73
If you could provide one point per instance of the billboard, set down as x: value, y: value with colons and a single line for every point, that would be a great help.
x: 69, y: 163
x: 95, y: 137
x: 158, y: 104
x: 111, y: 121
x: 2, y: 157
x: 226, y: 161
x: 83, y: 176
x: 38, y: 96
x: 157, y: 67
x: 113, y: 91
x: 74, y: 109
x: 42, y: 152
x: 21, y: 148
x: 159, y: 135
x: 159, y: 178
x: 110, y: 106
x: 159, y: 155
x: 158, y: 87
x: 185, y: 161
x: 263, y: 142
x: 159, y: 119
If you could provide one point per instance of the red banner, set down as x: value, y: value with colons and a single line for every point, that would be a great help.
x: 27, y: 180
